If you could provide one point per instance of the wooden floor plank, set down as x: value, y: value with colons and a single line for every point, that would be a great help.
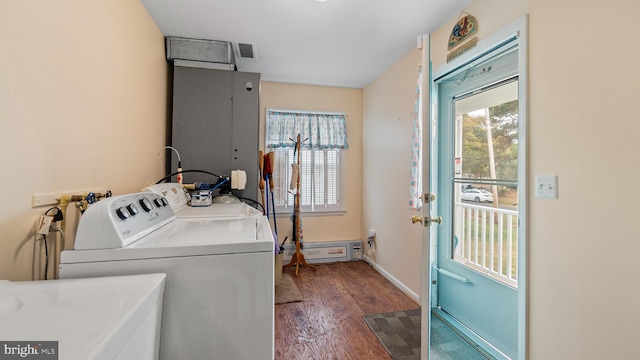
x: 328, y: 324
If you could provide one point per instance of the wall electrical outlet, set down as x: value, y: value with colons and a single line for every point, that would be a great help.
x: 371, y: 235
x: 43, y: 224
x: 547, y: 186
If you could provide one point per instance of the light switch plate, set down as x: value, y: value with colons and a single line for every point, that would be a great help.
x: 547, y: 186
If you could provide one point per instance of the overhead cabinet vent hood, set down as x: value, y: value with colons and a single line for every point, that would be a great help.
x: 211, y: 54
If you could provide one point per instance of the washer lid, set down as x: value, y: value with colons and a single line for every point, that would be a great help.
x: 205, y: 231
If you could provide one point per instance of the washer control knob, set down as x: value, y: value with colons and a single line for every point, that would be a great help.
x: 122, y: 213
x: 133, y: 209
x: 158, y: 202
x: 146, y: 204
x: 164, y: 202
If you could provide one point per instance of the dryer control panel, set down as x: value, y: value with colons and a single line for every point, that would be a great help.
x: 119, y: 221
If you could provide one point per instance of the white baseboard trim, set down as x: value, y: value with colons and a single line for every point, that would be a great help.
x: 393, y: 280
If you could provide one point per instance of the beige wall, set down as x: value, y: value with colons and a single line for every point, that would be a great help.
x: 582, y: 248
x: 321, y: 98
x: 583, y: 126
x: 388, y: 112
x: 83, y: 106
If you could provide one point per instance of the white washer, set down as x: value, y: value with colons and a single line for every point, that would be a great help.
x: 219, y: 293
x: 102, y: 318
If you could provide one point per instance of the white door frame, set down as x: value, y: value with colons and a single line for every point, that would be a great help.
x: 425, y: 296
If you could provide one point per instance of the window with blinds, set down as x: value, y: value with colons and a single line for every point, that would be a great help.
x: 323, y: 138
x: 320, y: 180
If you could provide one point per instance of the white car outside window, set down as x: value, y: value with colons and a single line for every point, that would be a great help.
x: 477, y: 195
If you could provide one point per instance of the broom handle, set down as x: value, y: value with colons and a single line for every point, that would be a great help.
x: 261, y: 182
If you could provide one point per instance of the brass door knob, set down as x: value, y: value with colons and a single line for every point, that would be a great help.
x: 426, y: 221
x: 428, y: 197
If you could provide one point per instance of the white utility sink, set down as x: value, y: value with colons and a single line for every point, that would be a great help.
x: 92, y: 318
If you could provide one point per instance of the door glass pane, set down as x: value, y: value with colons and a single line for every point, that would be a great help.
x: 485, y: 180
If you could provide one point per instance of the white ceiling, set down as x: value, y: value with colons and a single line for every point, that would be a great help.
x: 344, y: 43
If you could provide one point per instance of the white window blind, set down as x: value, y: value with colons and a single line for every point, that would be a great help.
x: 319, y: 179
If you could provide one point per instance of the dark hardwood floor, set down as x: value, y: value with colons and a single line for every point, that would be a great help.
x: 328, y: 324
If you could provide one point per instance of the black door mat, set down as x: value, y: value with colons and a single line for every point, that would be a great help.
x: 399, y: 333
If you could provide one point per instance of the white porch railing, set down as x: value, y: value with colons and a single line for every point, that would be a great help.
x: 487, y: 241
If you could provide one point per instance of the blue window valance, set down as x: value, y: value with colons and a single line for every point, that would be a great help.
x: 323, y: 130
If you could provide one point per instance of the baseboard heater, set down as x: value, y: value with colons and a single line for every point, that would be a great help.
x: 325, y: 252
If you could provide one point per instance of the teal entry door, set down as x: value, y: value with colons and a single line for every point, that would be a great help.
x: 475, y: 271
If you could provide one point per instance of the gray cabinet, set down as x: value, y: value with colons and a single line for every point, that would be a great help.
x: 215, y: 124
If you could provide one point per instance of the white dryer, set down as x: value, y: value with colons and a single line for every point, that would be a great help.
x: 219, y: 292
x: 178, y: 200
